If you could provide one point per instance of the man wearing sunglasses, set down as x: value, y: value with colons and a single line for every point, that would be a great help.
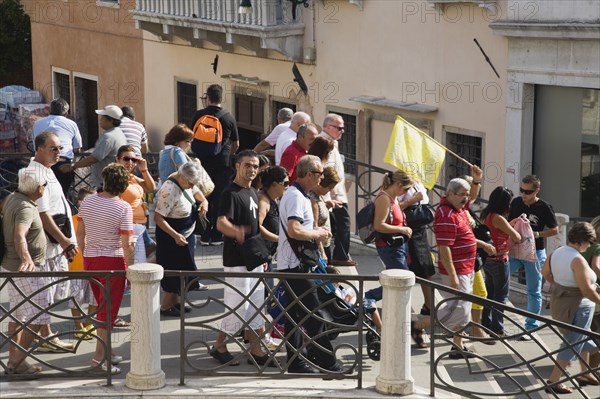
x: 68, y: 134
x: 333, y: 128
x: 543, y: 223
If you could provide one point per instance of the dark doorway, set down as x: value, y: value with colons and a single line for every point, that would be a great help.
x: 250, y: 117
x: 86, y: 100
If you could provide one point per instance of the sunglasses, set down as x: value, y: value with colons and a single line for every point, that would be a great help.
x: 129, y: 159
x: 340, y: 129
x: 284, y: 183
x: 56, y: 149
x: 317, y: 172
x: 528, y: 192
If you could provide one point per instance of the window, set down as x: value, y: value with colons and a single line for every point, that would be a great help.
x: 62, y: 86
x: 187, y: 102
x: 468, y: 147
x: 276, y: 106
x: 347, y: 144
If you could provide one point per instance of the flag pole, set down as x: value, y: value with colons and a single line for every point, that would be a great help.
x: 435, y: 141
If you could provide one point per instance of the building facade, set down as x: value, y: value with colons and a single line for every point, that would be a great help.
x: 89, y: 53
x: 509, y: 85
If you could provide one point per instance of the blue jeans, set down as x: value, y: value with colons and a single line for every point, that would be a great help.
x: 533, y: 279
x: 583, y: 318
x: 496, y: 284
x: 392, y: 258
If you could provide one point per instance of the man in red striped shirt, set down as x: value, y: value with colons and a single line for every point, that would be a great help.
x: 457, y: 247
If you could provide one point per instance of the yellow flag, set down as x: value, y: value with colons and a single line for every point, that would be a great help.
x: 414, y: 152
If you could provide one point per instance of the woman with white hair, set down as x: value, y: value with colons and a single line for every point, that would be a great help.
x: 175, y: 225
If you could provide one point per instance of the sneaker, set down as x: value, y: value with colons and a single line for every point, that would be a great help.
x: 270, y: 343
x: 525, y: 338
x: 86, y: 333
x: 425, y: 311
x: 216, y: 243
x: 54, y: 345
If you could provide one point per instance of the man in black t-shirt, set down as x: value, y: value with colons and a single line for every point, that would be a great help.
x: 238, y: 220
x: 543, y: 223
x: 218, y: 167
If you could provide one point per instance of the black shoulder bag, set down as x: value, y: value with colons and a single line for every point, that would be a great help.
x: 63, y: 222
x: 306, y: 251
x: 201, y: 221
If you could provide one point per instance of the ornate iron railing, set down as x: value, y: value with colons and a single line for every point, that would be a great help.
x: 517, y: 375
x: 61, y: 368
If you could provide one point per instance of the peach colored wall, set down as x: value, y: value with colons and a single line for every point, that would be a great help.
x: 402, y: 50
x: 80, y: 36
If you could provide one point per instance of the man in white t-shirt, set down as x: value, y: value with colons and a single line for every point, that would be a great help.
x: 68, y: 134
x: 296, y: 216
x: 284, y: 118
x: 53, y: 202
x: 290, y: 134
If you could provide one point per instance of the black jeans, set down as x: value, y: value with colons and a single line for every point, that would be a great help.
x: 340, y: 228
x: 312, y: 325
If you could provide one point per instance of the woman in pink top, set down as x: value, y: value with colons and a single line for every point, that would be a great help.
x: 390, y: 221
x: 496, y: 268
x: 104, y: 234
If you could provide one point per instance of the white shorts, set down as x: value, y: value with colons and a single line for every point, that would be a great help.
x: 61, y: 289
x: 250, y: 310
x: 140, y: 248
x: 23, y: 301
x: 82, y: 293
x: 455, y: 314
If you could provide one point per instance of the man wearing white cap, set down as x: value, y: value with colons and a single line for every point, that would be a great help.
x: 106, y: 146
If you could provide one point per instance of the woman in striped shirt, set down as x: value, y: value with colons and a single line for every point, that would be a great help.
x: 104, y: 235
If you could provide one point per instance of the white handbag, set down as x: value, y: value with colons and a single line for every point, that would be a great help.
x: 206, y: 184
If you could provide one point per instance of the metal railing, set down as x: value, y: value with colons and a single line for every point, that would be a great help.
x: 75, y: 367
x: 509, y: 367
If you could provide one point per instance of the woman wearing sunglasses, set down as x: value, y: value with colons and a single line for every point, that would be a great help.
x: 134, y: 195
x: 320, y: 210
x: 275, y: 181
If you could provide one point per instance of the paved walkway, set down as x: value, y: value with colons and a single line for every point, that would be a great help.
x: 208, y: 258
x: 275, y: 386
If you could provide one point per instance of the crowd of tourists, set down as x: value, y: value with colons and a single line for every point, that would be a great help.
x: 286, y: 193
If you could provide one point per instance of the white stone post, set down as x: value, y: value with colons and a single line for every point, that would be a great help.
x: 145, y: 372
x: 394, y: 368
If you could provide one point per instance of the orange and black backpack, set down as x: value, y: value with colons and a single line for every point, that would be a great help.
x: 208, y: 135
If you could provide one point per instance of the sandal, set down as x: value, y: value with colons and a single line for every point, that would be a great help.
x: 119, y: 322
x: 558, y: 388
x: 171, y: 312
x: 587, y: 380
x: 101, y: 365
x: 186, y: 309
x: 224, y: 357
x: 417, y: 335
x: 24, y: 368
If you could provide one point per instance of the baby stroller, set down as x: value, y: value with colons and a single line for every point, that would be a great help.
x: 341, y: 313
x: 335, y: 310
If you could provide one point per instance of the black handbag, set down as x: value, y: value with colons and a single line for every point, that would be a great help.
x: 255, y: 252
x: 201, y: 222
x: 306, y: 251
x: 418, y: 215
x: 63, y: 222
